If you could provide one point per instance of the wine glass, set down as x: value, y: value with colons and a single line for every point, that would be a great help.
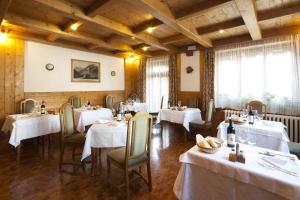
x: 179, y: 103
x: 242, y: 138
x: 252, y: 140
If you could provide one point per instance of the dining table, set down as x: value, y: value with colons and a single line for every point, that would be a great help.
x: 31, y: 125
x: 86, y: 116
x: 206, y: 176
x: 179, y: 116
x: 104, y: 133
x: 264, y: 133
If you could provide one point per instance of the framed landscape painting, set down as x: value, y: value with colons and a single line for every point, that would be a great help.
x: 85, y: 71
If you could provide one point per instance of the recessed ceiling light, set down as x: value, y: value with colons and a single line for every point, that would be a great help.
x: 150, y: 29
x: 221, y: 31
x: 145, y: 48
x: 74, y: 26
x: 133, y: 38
x: 3, y: 37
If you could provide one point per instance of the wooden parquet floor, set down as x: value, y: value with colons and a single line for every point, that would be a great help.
x: 35, y: 178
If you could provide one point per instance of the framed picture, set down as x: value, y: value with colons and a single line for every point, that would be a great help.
x: 85, y: 71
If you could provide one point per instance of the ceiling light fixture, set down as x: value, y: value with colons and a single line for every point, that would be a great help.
x: 133, y: 38
x: 221, y: 31
x: 145, y: 48
x: 3, y: 37
x: 150, y: 29
x: 74, y: 26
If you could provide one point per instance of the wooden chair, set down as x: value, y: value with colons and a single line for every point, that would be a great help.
x: 193, y: 103
x: 109, y: 102
x: 203, y: 126
x: 75, y: 102
x: 28, y: 105
x: 69, y: 136
x: 259, y: 106
x: 137, y: 150
x: 294, y: 148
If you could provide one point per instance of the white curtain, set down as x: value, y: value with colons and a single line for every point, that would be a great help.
x: 267, y: 71
x: 157, y: 82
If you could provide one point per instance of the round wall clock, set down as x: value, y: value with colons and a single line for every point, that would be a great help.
x: 113, y: 73
x: 49, y: 67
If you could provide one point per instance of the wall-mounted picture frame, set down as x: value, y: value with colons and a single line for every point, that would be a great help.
x: 85, y: 71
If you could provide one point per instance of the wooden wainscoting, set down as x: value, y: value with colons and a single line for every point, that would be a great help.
x: 56, y: 99
x: 185, y: 96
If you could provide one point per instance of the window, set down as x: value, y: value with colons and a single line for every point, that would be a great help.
x: 157, y: 83
x: 267, y: 71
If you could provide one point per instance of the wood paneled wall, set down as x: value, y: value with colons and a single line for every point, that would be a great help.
x: 11, y: 76
x: 131, y: 75
x: 56, y: 99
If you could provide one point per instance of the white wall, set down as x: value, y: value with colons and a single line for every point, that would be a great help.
x: 190, y: 82
x: 38, y: 79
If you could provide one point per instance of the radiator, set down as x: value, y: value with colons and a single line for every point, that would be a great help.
x: 292, y: 123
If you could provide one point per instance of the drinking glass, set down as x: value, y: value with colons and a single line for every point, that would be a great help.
x: 179, y: 103
x: 252, y: 140
x: 242, y: 138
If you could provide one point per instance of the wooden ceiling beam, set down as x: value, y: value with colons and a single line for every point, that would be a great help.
x: 162, y: 12
x: 237, y: 22
x: 184, y: 14
x: 70, y: 10
x: 173, y: 39
x: 4, y: 4
x: 200, y: 8
x: 56, y: 30
x: 233, y: 23
x: 247, y: 10
x: 288, y: 30
x: 94, y: 9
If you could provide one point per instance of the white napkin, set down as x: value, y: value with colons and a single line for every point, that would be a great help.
x: 103, y: 121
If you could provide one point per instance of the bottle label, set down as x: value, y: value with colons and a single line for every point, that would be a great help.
x: 230, y: 139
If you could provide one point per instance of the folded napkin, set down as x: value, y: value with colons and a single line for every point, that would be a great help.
x: 281, y: 164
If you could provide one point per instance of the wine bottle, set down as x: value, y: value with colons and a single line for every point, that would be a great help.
x: 43, y: 108
x: 119, y: 114
x: 230, y: 135
x: 251, y: 116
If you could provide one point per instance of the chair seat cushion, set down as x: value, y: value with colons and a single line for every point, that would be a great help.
x: 76, y: 138
x: 118, y: 156
x: 294, y: 148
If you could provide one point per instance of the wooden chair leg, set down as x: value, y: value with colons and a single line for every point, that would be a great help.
x: 161, y: 128
x: 61, y: 155
x: 19, y: 150
x: 127, y: 183
x: 149, y: 176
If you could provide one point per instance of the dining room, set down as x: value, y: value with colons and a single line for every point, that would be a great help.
x: 150, y: 99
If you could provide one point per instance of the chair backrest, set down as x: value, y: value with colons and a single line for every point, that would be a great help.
x: 209, y: 111
x: 139, y: 136
x: 66, y: 119
x: 28, y: 105
x: 109, y: 102
x: 193, y: 102
x: 259, y: 106
x: 162, y: 102
x: 75, y: 102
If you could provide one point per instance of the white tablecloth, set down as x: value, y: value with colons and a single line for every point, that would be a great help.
x: 180, y: 117
x: 137, y: 107
x: 25, y: 126
x: 112, y: 134
x: 213, y: 177
x: 269, y: 134
x: 84, y: 117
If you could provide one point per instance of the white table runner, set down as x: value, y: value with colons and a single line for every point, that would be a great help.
x: 269, y: 134
x: 180, y: 117
x: 212, y: 176
x: 84, y: 117
x: 108, y: 135
x: 25, y: 126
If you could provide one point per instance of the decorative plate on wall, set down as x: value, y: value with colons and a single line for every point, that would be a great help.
x: 49, y: 67
x: 189, y: 69
x: 113, y: 73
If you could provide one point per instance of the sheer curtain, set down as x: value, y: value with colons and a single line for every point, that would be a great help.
x: 267, y: 71
x: 157, y: 82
